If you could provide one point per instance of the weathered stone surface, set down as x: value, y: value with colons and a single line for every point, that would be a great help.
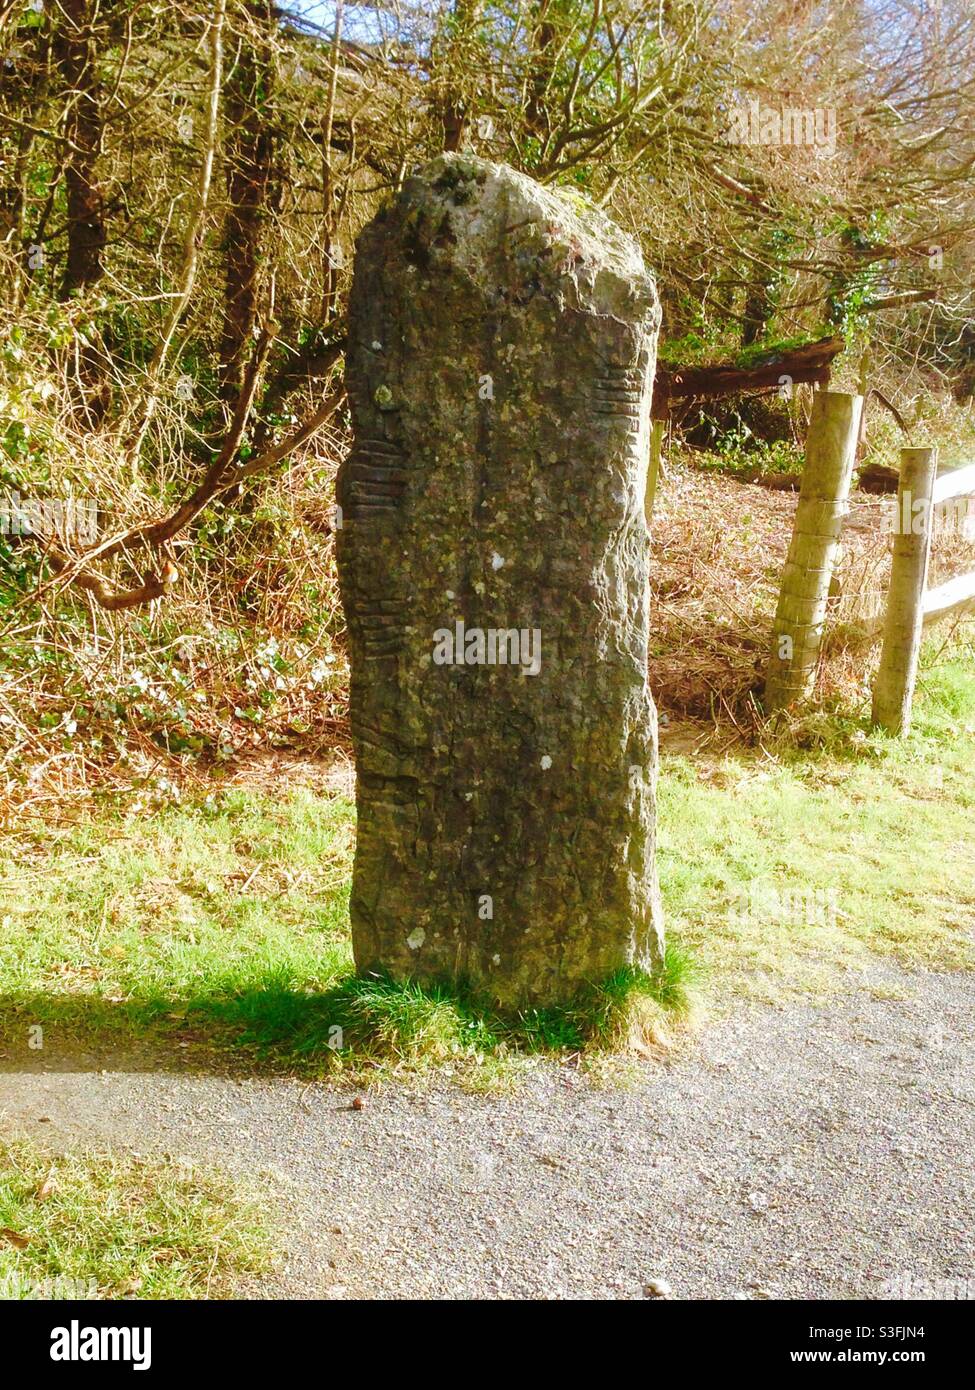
x: 501, y: 352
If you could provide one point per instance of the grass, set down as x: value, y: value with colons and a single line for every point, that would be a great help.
x: 225, y: 913
x: 110, y: 1226
x: 222, y: 928
x: 782, y: 871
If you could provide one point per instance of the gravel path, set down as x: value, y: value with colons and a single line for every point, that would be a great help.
x: 807, y: 1152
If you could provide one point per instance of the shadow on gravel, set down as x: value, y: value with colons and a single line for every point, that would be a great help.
x: 354, y: 1025
x: 275, y: 1030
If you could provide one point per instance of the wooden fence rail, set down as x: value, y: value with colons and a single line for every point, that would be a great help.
x: 955, y: 594
x: 958, y: 482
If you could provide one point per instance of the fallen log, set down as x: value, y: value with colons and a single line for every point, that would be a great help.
x: 809, y: 364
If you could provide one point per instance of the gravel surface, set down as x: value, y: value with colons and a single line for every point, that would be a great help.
x: 814, y: 1151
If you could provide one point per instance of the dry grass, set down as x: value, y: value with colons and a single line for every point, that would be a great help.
x: 248, y: 654
x: 113, y: 1225
x: 719, y: 549
x: 144, y: 706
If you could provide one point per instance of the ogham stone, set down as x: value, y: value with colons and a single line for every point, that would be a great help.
x: 493, y: 559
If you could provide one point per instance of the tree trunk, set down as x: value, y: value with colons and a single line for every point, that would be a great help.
x: 542, y: 60
x: 454, y: 105
x: 250, y: 176
x: 76, y: 54
x: 657, y: 428
x: 757, y: 312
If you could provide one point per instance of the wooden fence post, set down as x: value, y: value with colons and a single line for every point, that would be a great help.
x: 830, y: 452
x: 893, y: 690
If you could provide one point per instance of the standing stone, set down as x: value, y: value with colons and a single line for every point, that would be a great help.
x: 493, y: 559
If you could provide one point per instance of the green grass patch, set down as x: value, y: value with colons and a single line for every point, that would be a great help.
x: 221, y: 931
x: 151, y: 920
x: 110, y: 1226
x: 841, y: 846
x: 224, y: 928
x: 387, y: 1025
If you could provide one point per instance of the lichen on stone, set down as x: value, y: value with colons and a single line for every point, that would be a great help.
x: 517, y: 510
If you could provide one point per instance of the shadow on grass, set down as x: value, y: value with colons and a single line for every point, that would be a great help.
x: 351, y: 1028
